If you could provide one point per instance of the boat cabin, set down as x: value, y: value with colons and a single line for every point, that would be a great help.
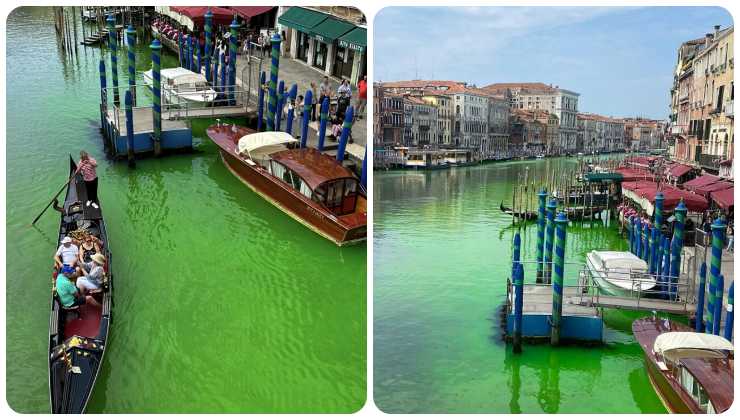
x: 618, y: 264
x: 702, y: 365
x: 317, y: 176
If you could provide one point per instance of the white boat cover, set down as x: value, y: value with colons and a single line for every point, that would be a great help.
x: 682, y: 344
x: 252, y: 142
x: 620, y: 260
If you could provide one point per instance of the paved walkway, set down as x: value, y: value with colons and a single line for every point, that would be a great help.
x: 294, y: 71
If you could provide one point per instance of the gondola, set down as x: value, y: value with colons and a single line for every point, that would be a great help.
x: 78, y: 337
x: 526, y: 215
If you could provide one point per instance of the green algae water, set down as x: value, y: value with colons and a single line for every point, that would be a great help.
x: 222, y: 303
x: 442, y: 254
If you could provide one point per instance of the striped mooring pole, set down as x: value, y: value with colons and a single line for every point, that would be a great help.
x: 209, y: 33
x: 280, y: 105
x: 306, y: 117
x: 719, y: 290
x: 561, y: 223
x: 200, y: 57
x: 651, y: 250
x: 659, y: 257
x: 292, y: 93
x: 701, y: 289
x: 719, y: 229
x: 261, y: 101
x: 516, y: 269
x: 659, y: 199
x: 645, y: 247
x: 676, y: 246
x: 232, y: 60
x: 729, y: 315
x: 516, y: 253
x: 129, y: 129
x: 215, y: 74
x: 665, y: 275
x: 180, y: 52
x: 113, y: 57
x: 631, y: 233
x: 323, y: 118
x: 346, y: 131
x: 156, y: 48
x: 272, y: 101
x: 541, y: 197
x: 224, y: 88
x: 363, y: 174
x: 103, y: 93
x: 549, y: 238
x: 131, y: 50
x: 190, y: 53
x: 638, y: 237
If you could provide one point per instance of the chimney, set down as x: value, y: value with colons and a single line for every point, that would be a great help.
x: 708, y: 40
x: 716, y: 31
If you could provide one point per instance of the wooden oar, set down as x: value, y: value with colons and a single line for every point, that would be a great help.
x: 53, y: 198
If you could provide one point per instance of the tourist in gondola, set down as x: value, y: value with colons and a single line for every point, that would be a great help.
x: 69, y: 295
x: 87, y: 166
x: 93, y: 274
x: 67, y: 254
x: 89, y: 247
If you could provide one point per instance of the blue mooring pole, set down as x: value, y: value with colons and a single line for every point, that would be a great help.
x: 323, y: 118
x: 549, y: 239
x: 516, y: 253
x: 200, y: 58
x: 719, y: 294
x: 346, y: 131
x: 156, y: 48
x: 261, y: 102
x: 233, y: 41
x: 209, y: 33
x: 665, y: 279
x: 541, y: 197
x: 518, y: 306
x: 180, y: 49
x: 274, y: 70
x: 131, y: 50
x: 516, y: 268
x: 659, y: 257
x: 113, y: 57
x: 677, y: 245
x: 306, y: 117
x: 103, y: 94
x: 638, y: 237
x: 363, y: 174
x: 561, y: 223
x: 631, y: 230
x: 658, y: 219
x: 292, y: 93
x: 699, y: 322
x: 215, y: 74
x: 646, y: 242
x: 129, y: 129
x: 224, y: 88
x: 651, y: 250
x: 729, y: 315
x: 719, y: 230
x: 280, y: 105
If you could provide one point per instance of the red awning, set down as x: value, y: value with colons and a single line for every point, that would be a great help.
x: 679, y: 170
x: 724, y: 198
x: 701, y: 181
x: 717, y: 186
x: 221, y: 15
x: 634, y: 174
x: 248, y: 12
x: 639, y: 185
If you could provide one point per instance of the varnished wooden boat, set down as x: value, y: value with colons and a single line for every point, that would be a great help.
x: 691, y: 372
x: 311, y: 187
x: 78, y: 339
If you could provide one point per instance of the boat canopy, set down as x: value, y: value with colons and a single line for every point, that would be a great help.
x: 620, y: 260
x: 677, y: 345
x: 265, y: 142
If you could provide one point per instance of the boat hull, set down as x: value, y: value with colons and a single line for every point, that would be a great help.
x: 609, y: 288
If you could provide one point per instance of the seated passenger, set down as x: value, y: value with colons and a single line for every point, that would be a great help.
x: 68, y: 294
x: 93, y: 274
x: 67, y: 254
x: 89, y: 247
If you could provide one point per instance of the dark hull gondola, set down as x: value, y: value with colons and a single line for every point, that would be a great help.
x: 77, y: 339
x: 528, y: 215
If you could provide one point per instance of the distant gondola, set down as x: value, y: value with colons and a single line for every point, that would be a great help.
x: 78, y: 338
x: 527, y: 215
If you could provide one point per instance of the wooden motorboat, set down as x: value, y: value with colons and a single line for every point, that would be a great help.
x: 181, y: 86
x: 619, y: 273
x: 691, y: 372
x: 78, y: 337
x: 309, y: 186
x: 526, y: 215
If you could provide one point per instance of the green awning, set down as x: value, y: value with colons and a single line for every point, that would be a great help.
x: 355, y: 39
x: 331, y: 29
x: 301, y: 19
x: 603, y: 177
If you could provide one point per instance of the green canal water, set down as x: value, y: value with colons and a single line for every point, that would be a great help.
x: 222, y: 303
x: 442, y: 252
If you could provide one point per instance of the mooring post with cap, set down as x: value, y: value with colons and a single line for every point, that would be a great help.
x: 274, y: 70
x: 515, y: 267
x: 701, y: 289
x: 719, y: 294
x: 280, y: 105
x: 156, y: 48
x: 103, y: 95
x: 112, y: 44
x: 729, y: 315
x: 232, y: 60
x: 306, y: 117
x: 561, y: 223
x: 323, y: 118
x: 677, y: 246
x: 719, y: 229
x: 518, y: 306
x: 541, y: 196
x: 659, y: 199
x: 665, y: 280
x: 261, y: 101
x: 129, y: 129
x: 131, y: 50
x: 292, y: 93
x: 209, y: 33
x: 346, y: 131
x: 549, y: 238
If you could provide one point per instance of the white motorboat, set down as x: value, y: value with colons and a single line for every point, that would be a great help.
x: 182, y: 86
x: 619, y: 273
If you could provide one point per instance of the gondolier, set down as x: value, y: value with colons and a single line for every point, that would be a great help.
x: 87, y: 167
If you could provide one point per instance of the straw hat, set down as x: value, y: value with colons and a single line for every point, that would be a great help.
x: 98, y: 258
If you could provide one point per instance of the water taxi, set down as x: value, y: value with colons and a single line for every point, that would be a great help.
x: 181, y: 86
x: 619, y: 273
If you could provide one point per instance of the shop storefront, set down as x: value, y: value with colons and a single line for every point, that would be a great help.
x: 353, y: 61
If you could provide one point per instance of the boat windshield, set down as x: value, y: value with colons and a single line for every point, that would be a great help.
x: 339, y: 195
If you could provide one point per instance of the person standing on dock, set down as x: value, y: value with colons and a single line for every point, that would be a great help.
x: 87, y: 167
x: 361, y: 97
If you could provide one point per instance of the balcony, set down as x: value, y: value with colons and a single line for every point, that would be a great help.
x: 728, y: 110
x: 710, y: 161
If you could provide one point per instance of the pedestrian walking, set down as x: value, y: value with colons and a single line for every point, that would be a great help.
x: 314, y: 101
x: 325, y: 90
x: 266, y: 45
x: 361, y: 97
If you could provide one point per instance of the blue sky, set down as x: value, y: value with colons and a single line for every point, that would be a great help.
x: 621, y: 60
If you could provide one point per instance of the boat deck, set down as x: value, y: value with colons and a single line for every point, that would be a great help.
x: 143, y: 121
